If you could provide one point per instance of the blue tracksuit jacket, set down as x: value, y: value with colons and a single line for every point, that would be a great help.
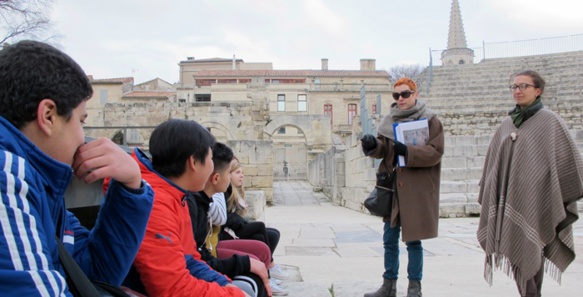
x: 32, y: 212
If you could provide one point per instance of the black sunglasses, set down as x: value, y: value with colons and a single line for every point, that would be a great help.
x: 405, y: 94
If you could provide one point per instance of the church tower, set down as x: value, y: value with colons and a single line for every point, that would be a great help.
x: 457, y: 51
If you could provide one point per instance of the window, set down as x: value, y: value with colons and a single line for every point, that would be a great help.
x: 227, y: 81
x: 182, y: 100
x: 374, y: 108
x: 351, y: 112
x: 102, y: 97
x: 202, y: 97
x: 328, y: 112
x: 280, y: 102
x: 281, y: 130
x: 302, y: 102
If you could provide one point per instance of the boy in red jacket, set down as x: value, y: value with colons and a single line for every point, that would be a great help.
x: 168, y: 263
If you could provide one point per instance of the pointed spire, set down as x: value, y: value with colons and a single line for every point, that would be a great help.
x: 457, y: 36
x: 457, y: 51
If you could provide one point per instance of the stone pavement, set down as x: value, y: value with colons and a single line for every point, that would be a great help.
x: 330, y: 250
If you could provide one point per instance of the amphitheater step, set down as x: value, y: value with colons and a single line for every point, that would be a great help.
x: 451, y: 161
x: 458, y: 198
x: 457, y: 174
x: 453, y: 210
x: 457, y: 186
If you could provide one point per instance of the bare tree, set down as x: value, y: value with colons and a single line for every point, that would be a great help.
x: 25, y: 19
x: 405, y: 70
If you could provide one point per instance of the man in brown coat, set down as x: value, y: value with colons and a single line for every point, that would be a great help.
x: 416, y: 201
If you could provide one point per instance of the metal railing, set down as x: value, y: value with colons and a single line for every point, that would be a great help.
x: 532, y: 47
x: 519, y: 48
x: 112, y: 131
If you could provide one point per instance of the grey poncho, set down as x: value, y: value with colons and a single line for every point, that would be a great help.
x: 531, y: 181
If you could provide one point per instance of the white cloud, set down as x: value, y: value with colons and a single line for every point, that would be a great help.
x: 541, y: 16
x: 110, y: 38
x: 323, y: 18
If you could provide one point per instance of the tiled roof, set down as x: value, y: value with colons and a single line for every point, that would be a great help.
x: 151, y: 80
x: 290, y: 73
x: 119, y: 80
x: 148, y: 94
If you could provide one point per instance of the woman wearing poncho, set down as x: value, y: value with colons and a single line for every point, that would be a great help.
x: 532, y: 178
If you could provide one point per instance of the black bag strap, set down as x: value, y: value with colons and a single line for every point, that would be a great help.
x: 79, y: 284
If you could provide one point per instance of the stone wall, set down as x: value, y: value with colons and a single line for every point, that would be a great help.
x: 256, y: 157
x: 327, y: 172
x: 344, y: 174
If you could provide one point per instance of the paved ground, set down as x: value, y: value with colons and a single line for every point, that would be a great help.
x: 333, y: 251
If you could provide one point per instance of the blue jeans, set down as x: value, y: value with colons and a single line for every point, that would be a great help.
x: 414, y: 250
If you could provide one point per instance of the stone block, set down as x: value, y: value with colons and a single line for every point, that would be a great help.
x: 370, y: 175
x: 453, y: 198
x: 263, y: 169
x: 482, y: 150
x: 464, y: 150
x: 451, y: 210
x: 453, y: 162
x: 477, y: 161
x: 255, y: 205
x: 472, y: 209
x: 251, y: 169
x: 354, y: 205
x: 460, y: 140
x: 473, y: 196
x: 461, y: 173
x: 448, y: 186
x: 261, y: 182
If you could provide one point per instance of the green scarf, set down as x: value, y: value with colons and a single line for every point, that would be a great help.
x: 519, y: 115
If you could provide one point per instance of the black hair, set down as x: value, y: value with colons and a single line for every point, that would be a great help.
x: 31, y: 71
x: 174, y: 141
x: 222, y: 156
x: 538, y: 81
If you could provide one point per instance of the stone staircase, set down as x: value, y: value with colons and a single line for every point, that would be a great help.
x: 472, y: 100
x: 461, y: 170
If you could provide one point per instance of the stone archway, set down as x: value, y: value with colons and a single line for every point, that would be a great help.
x: 316, y: 128
x: 118, y: 137
x: 293, y: 152
x: 220, y: 131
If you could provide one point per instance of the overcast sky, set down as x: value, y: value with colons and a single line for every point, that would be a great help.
x: 147, y: 38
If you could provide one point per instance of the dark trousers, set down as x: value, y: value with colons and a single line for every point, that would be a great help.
x: 254, y: 230
x: 534, y: 285
x: 273, y: 237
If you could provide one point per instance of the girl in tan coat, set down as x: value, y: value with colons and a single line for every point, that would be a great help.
x: 416, y: 201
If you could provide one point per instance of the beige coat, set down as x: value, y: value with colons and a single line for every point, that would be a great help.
x: 417, y: 203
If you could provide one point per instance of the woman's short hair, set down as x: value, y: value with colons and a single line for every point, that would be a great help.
x: 406, y: 81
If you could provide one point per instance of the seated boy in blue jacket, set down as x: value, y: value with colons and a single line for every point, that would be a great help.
x: 43, y: 93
